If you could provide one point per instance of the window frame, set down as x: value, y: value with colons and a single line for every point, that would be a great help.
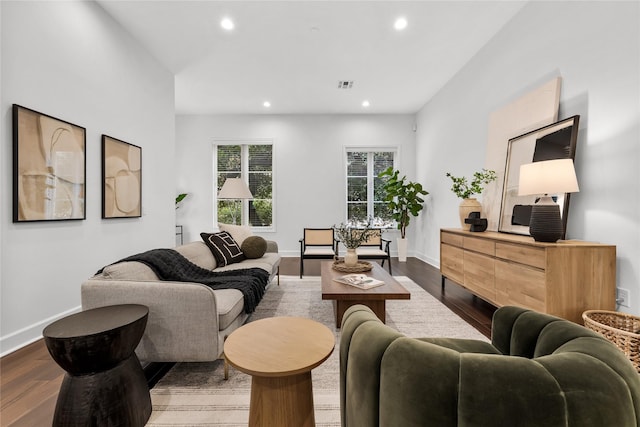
x: 244, y: 143
x: 370, y: 187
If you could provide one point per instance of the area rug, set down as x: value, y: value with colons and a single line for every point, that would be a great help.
x: 196, y: 394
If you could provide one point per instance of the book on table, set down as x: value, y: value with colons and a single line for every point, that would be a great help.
x: 361, y: 281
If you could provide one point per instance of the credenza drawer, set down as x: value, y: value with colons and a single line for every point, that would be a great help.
x: 520, y: 285
x: 534, y: 257
x: 479, y: 275
x: 451, y: 239
x: 483, y: 246
x: 451, y: 259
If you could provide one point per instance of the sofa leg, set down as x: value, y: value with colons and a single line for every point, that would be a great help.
x: 278, y: 275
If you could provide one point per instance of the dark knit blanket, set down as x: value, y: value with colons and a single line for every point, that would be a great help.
x: 170, y: 265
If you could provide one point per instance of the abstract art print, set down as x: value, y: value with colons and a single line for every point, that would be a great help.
x: 121, y: 179
x: 49, y: 167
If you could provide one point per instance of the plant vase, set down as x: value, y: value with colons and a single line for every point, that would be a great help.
x: 466, y: 207
x: 351, y: 257
x: 402, y: 249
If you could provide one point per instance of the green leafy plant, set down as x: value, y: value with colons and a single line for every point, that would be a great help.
x: 403, y: 198
x: 180, y: 197
x: 465, y: 189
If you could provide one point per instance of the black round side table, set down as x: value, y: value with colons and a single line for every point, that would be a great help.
x: 104, y: 384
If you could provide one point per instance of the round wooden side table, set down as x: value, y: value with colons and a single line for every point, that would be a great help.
x: 279, y: 353
x: 104, y: 384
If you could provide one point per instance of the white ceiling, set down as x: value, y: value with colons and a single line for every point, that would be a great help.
x: 293, y: 53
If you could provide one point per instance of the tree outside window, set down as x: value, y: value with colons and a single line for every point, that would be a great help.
x: 365, y: 191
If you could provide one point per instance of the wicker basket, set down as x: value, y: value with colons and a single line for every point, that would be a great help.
x: 620, y: 328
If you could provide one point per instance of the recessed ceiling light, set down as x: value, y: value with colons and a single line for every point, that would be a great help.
x: 266, y: 104
x: 400, y: 24
x: 227, y: 24
x: 366, y: 103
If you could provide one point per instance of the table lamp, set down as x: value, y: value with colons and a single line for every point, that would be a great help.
x: 544, y: 178
x: 235, y: 189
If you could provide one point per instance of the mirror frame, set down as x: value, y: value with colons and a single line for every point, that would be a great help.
x: 533, y: 146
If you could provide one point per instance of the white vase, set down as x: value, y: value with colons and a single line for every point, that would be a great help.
x: 402, y: 249
x: 466, y: 207
x: 351, y: 258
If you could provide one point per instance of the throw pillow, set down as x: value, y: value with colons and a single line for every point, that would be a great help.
x: 224, y: 249
x: 254, y: 247
x: 238, y: 232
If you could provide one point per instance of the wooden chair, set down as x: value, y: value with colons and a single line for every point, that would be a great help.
x: 317, y: 243
x: 375, y: 248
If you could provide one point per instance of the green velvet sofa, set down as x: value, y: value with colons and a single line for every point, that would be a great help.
x: 539, y: 370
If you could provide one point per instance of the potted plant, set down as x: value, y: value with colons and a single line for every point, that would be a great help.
x: 403, y: 198
x: 180, y: 197
x: 352, y: 235
x: 464, y: 189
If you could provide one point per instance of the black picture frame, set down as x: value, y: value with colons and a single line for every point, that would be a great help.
x: 49, y: 167
x: 555, y: 141
x: 121, y: 179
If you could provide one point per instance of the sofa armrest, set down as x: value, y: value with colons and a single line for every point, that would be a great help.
x: 272, y: 246
x: 183, y: 317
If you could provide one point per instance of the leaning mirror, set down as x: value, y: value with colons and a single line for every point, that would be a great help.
x: 555, y: 141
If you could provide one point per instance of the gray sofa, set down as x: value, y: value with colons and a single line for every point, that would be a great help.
x: 188, y: 322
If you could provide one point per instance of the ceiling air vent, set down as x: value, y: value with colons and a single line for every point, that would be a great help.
x: 345, y: 84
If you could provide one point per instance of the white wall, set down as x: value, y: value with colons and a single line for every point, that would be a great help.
x: 72, y: 61
x: 595, y: 48
x: 309, y: 165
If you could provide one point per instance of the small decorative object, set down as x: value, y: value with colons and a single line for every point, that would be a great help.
x: 465, y: 189
x: 49, y: 167
x: 352, y: 235
x: 544, y: 178
x: 403, y: 198
x: 121, y: 179
x: 476, y: 223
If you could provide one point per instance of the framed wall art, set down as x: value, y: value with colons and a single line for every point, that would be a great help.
x: 121, y: 179
x: 555, y: 141
x: 49, y: 167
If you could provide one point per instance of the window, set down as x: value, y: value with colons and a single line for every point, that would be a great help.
x: 364, y: 188
x: 254, y: 164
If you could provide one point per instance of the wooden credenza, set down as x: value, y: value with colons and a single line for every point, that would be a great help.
x: 562, y: 279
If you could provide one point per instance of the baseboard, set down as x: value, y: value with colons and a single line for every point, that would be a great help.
x: 30, y: 334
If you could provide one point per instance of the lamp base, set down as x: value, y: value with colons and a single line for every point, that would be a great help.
x: 546, y: 224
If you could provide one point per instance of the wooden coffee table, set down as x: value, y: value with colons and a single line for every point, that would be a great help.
x: 345, y: 296
x: 279, y: 353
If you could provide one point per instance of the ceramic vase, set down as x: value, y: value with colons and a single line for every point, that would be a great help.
x: 466, y: 207
x: 351, y: 257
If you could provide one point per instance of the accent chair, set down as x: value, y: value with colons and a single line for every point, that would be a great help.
x: 317, y: 243
x: 538, y: 371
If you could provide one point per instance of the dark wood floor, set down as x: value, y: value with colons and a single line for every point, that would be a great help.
x: 30, y: 379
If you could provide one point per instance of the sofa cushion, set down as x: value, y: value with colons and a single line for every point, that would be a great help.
x: 238, y: 232
x: 223, y: 247
x: 230, y: 304
x: 269, y: 263
x: 254, y: 247
x: 129, y: 270
x: 199, y: 254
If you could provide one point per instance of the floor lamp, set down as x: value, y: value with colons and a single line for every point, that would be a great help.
x: 544, y: 178
x: 235, y: 189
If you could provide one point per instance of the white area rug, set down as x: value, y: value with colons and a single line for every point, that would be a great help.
x: 196, y: 394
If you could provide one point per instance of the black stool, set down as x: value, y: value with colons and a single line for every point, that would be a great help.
x: 104, y: 384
